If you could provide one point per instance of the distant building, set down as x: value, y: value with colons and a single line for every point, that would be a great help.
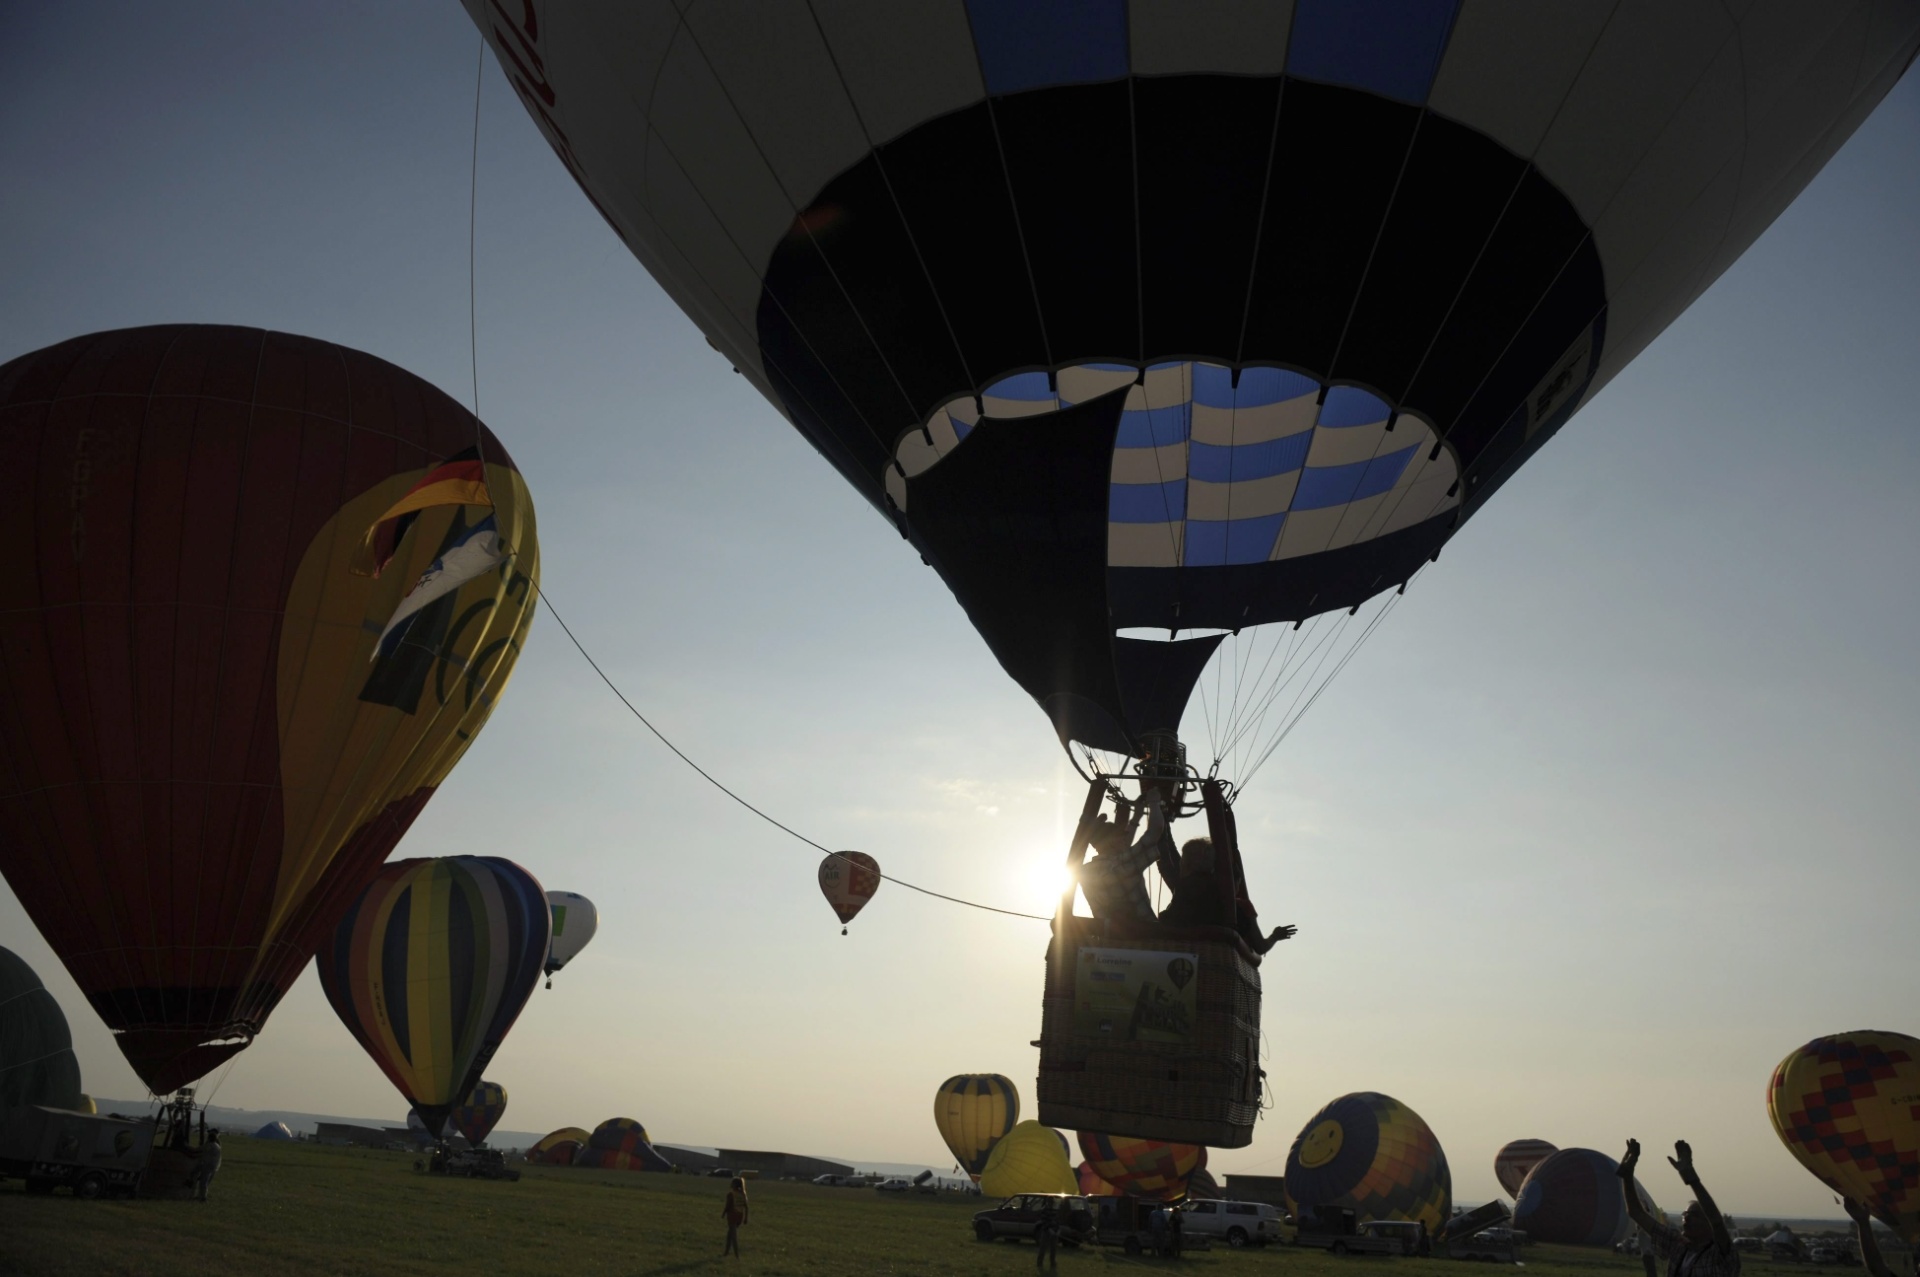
x: 690, y: 1159
x: 1271, y: 1189
x: 342, y: 1133
x: 779, y: 1165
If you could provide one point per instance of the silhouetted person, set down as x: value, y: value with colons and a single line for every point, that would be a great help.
x: 207, y: 1166
x: 1046, y: 1236
x: 1701, y: 1246
x: 1197, y: 900
x: 735, y: 1211
x: 1113, y: 881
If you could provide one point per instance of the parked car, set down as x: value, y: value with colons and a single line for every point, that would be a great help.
x: 837, y: 1181
x: 720, y: 1172
x: 1824, y: 1255
x: 1237, y: 1223
x: 1020, y: 1216
x: 893, y: 1184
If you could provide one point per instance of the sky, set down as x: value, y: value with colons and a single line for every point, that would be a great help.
x: 1616, y: 810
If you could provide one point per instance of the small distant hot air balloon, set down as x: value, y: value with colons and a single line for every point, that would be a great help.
x: 217, y: 728
x: 477, y: 1115
x: 86, y: 1104
x: 430, y: 968
x: 37, y: 1065
x: 1031, y: 1159
x: 1372, y: 1153
x: 1514, y: 1160
x: 556, y: 1148
x: 274, y: 1131
x: 1144, y: 1168
x: 620, y: 1144
x: 1572, y: 1198
x: 574, y: 922
x: 974, y: 1111
x: 1848, y: 1107
x: 848, y: 880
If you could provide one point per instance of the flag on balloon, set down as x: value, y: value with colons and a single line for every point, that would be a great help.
x: 459, y: 480
x: 473, y: 553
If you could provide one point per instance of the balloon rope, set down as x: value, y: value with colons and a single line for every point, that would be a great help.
x: 710, y: 779
x: 473, y: 221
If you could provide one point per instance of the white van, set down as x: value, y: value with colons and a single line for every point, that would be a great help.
x: 1238, y: 1223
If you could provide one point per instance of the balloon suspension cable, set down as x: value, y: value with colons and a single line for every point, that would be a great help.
x: 707, y: 776
x: 473, y: 221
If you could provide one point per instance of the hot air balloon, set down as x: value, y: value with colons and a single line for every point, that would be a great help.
x: 620, y: 1144
x: 557, y: 1148
x: 86, y: 1104
x: 217, y: 730
x: 477, y: 1115
x: 1144, y: 1168
x: 1148, y: 325
x: 848, y: 880
x: 974, y: 1111
x: 1848, y: 1107
x: 37, y: 1065
x: 1573, y: 1198
x: 430, y: 967
x: 1091, y: 1185
x: 1030, y: 1159
x: 274, y: 1131
x: 1515, y: 1159
x: 1371, y: 1153
x: 574, y: 922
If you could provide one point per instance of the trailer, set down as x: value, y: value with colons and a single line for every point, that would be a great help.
x: 1336, y: 1229
x: 93, y: 1156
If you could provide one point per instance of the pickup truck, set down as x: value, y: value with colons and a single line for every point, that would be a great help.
x: 1236, y: 1223
x: 94, y: 1156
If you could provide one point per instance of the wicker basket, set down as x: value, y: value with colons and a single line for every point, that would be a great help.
x: 1204, y: 1089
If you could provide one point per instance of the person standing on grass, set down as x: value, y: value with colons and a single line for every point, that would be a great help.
x: 1701, y: 1246
x: 208, y: 1165
x: 735, y: 1212
x: 1046, y: 1236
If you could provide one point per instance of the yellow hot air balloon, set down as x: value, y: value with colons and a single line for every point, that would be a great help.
x: 1031, y: 1159
x: 1848, y: 1107
x: 974, y: 1111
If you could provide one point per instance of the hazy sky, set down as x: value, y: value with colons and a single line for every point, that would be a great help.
x: 1615, y: 811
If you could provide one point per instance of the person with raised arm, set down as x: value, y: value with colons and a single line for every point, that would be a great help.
x: 1701, y: 1246
x: 1876, y: 1266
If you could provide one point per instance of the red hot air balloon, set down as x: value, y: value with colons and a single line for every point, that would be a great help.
x: 848, y: 880
x: 212, y: 730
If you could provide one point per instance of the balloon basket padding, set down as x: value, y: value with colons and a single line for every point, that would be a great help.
x: 1206, y: 1091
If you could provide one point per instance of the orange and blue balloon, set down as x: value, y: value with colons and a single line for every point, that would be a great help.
x: 477, y: 1115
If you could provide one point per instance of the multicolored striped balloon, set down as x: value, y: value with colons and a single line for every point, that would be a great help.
x: 1848, y: 1107
x: 1573, y: 1198
x: 974, y: 1111
x: 1372, y: 1153
x: 1144, y: 1168
x: 477, y: 1115
x: 1515, y: 1159
x: 556, y: 1148
x: 620, y: 1144
x: 430, y: 968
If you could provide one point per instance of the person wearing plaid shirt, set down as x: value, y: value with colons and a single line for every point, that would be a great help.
x: 1114, y: 881
x: 1701, y: 1246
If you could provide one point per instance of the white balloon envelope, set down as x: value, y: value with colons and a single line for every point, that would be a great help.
x: 574, y: 922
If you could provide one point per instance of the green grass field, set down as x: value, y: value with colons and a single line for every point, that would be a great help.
x: 307, y: 1209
